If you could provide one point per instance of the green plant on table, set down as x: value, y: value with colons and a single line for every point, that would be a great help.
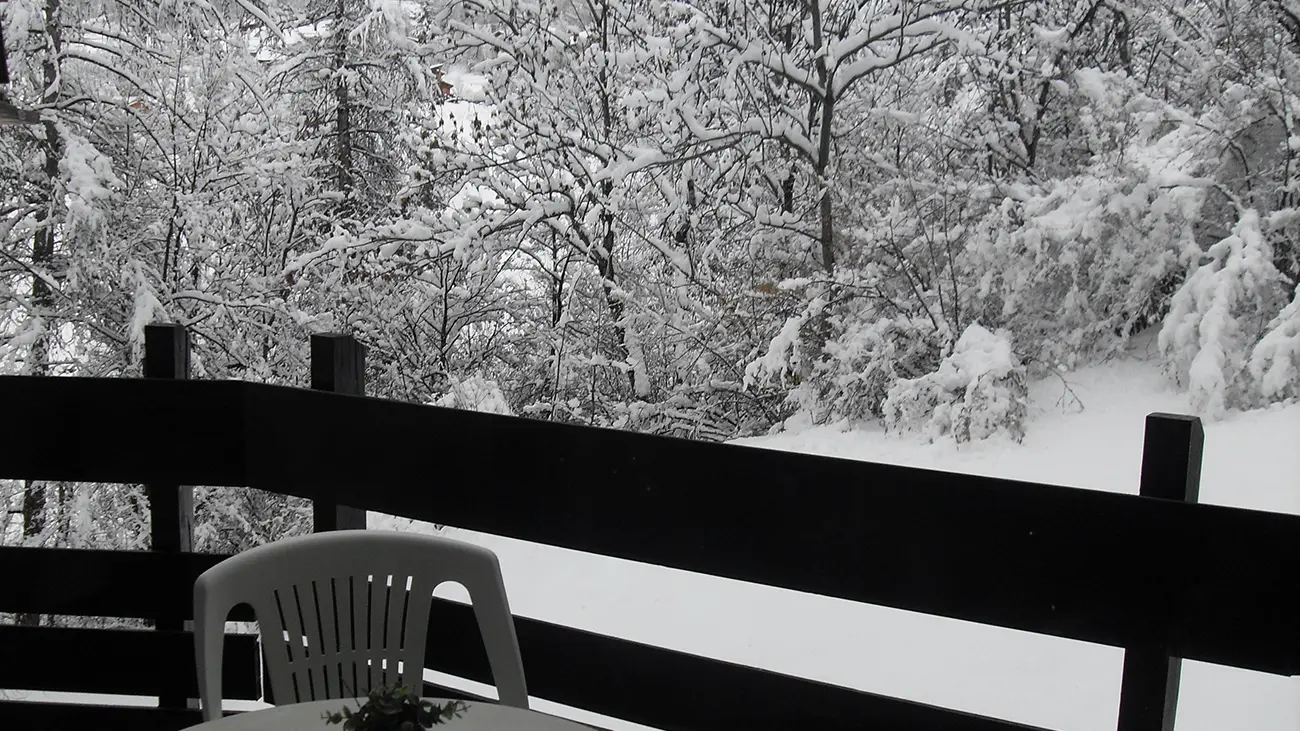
x: 395, y: 708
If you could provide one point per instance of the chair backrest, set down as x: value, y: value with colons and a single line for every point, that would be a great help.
x: 344, y: 611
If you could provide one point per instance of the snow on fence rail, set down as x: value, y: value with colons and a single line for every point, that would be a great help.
x: 1158, y: 574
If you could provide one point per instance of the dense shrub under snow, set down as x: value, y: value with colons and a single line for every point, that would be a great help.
x: 977, y: 391
x: 1228, y: 307
x: 476, y: 393
x: 1275, y: 361
x: 1074, y: 268
x: 863, y: 361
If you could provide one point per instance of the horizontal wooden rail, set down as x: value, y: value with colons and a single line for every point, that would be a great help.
x: 136, y: 584
x: 1072, y: 563
x: 119, y: 662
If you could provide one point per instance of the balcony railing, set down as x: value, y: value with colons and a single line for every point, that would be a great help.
x: 1157, y: 574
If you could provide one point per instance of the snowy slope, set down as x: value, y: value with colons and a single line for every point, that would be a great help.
x: 1250, y: 460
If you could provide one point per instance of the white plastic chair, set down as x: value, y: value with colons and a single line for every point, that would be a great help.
x: 336, y: 616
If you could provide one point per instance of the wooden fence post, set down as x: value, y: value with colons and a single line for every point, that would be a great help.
x: 171, y: 507
x: 1171, y: 470
x: 338, y: 365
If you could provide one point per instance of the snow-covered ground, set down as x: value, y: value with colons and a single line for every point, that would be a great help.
x: 1251, y: 460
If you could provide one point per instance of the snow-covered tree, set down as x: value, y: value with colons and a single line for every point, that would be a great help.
x: 1220, y: 315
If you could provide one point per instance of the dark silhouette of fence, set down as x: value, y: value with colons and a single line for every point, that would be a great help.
x: 1156, y: 574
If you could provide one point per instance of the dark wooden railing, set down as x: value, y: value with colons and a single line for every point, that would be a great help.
x: 1157, y: 574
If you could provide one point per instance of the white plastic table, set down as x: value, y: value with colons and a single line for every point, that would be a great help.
x: 308, y: 717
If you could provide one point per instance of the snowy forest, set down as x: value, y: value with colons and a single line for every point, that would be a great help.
x: 691, y: 218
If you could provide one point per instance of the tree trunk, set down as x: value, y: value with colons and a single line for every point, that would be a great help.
x: 605, y: 257
x: 342, y: 111
x: 821, y: 324
x: 605, y: 265
x: 43, y: 240
x: 822, y: 165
